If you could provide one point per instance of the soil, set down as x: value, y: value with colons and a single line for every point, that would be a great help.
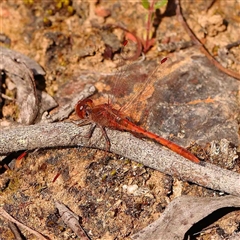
x: 67, y: 38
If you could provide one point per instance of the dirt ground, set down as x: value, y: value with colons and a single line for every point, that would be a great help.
x: 114, y: 196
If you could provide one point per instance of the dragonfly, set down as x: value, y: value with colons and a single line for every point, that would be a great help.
x: 106, y: 116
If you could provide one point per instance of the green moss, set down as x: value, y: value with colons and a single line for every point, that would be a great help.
x: 66, y: 3
x: 104, y: 177
x: 70, y: 10
x: 49, y: 12
x: 140, y: 165
x: 28, y: 2
x: 47, y: 22
x: 59, y: 4
x: 113, y: 172
x: 63, y: 4
x: 13, y: 184
x: 127, y: 161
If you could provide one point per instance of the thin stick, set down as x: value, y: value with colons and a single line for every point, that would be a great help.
x: 72, y: 220
x: 201, y: 46
x: 15, y: 231
x: 10, y: 218
x: 68, y: 108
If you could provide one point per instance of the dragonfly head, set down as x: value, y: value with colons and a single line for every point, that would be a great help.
x: 83, y: 108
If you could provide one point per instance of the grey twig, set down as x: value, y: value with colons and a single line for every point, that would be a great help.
x: 4, y: 214
x: 122, y: 143
x: 67, y: 109
x: 72, y: 220
x: 15, y: 231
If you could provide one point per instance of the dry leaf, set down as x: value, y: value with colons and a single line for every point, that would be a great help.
x: 181, y: 214
x: 30, y: 63
x: 21, y: 69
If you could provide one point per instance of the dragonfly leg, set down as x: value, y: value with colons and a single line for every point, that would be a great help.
x: 90, y: 133
x: 107, y: 141
x: 83, y: 122
x: 104, y: 134
x: 93, y: 126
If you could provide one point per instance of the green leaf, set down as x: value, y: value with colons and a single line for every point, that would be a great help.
x: 160, y: 4
x: 145, y: 4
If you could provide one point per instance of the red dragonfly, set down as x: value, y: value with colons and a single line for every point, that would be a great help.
x: 105, y: 115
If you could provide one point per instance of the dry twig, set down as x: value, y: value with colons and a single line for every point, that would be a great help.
x: 15, y: 231
x: 4, y: 214
x: 68, y: 108
x: 201, y: 46
x: 72, y: 220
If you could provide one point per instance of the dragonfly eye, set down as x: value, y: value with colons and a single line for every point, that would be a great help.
x: 83, y: 108
x: 86, y: 113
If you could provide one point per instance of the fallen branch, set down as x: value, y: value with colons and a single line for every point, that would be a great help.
x: 125, y: 144
x: 15, y: 231
x: 4, y: 214
x: 72, y: 220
